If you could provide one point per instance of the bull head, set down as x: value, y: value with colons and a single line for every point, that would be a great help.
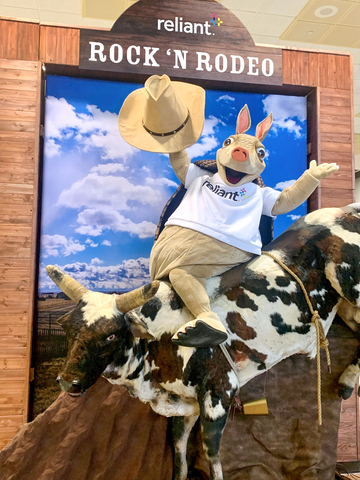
x: 99, y: 327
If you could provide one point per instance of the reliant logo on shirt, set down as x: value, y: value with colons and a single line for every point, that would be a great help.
x: 235, y: 196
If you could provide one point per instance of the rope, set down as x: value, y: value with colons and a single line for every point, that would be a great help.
x: 321, y: 340
x: 230, y: 360
x: 236, y: 403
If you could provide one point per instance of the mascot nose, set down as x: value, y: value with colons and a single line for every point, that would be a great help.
x: 240, y: 154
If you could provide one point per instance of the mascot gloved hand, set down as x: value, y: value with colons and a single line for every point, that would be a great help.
x: 216, y: 226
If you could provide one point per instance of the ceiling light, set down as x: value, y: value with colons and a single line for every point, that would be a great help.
x: 310, y: 32
x: 326, y: 11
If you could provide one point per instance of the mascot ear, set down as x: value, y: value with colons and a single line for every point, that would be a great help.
x: 243, y: 121
x: 263, y: 127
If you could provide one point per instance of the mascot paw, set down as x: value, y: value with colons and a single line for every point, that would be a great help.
x: 199, y: 333
x: 344, y: 391
x: 323, y: 170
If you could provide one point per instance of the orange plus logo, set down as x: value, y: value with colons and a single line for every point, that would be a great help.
x: 215, y: 20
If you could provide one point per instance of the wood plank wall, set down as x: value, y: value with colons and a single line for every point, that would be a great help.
x: 19, y: 40
x: 19, y: 134
x: 332, y: 75
x: 348, y: 443
x: 329, y: 74
x: 59, y: 45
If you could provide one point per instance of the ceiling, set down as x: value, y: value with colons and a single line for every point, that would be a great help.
x: 334, y: 22
x: 312, y: 24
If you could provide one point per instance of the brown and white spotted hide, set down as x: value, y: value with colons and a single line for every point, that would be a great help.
x: 261, y: 305
x: 177, y: 381
x: 272, y: 320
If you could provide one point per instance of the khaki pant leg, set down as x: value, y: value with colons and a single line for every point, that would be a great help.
x: 189, y: 282
x: 189, y: 258
x: 179, y: 247
x: 171, y: 250
x: 191, y: 289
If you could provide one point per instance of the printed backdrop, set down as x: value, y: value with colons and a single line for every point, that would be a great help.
x: 102, y: 198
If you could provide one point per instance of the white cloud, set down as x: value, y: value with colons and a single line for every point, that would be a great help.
x: 129, y: 274
x: 162, y: 181
x: 109, y: 168
x: 289, y: 125
x: 282, y: 185
x: 95, y: 221
x: 208, y: 140
x: 294, y: 217
x: 102, y: 197
x: 52, y: 149
x: 282, y: 108
x: 226, y: 98
x: 60, y: 118
x: 97, y: 129
x: 95, y: 190
x: 284, y: 111
x: 205, y: 145
x: 106, y: 243
x: 146, y: 170
x: 58, y: 245
x: 96, y: 261
x: 104, y: 134
x: 209, y: 125
x: 91, y: 243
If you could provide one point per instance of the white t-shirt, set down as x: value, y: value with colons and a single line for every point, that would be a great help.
x: 229, y: 214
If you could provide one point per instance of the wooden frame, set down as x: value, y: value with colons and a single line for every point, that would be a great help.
x: 326, y: 79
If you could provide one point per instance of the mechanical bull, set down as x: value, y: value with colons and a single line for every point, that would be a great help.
x: 261, y: 305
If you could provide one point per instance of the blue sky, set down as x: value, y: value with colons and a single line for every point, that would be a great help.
x: 102, y: 198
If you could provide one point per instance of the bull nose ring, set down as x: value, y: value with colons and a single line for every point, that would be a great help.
x: 240, y: 154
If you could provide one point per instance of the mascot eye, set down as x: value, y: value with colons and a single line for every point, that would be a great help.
x: 110, y: 338
x: 228, y: 141
x: 261, y: 152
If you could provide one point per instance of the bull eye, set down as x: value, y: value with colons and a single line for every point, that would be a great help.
x: 228, y: 142
x: 110, y: 338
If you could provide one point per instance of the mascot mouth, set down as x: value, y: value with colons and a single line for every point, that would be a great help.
x: 233, y: 176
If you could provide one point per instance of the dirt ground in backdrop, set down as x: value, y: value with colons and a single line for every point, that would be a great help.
x: 46, y: 389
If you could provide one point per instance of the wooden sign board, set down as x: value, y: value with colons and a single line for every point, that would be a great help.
x: 191, y: 39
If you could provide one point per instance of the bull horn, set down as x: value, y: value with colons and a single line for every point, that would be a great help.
x: 136, y: 298
x: 73, y: 289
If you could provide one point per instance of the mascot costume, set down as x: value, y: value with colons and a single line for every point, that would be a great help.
x: 216, y: 226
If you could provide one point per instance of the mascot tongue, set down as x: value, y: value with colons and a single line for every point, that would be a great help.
x: 232, y: 176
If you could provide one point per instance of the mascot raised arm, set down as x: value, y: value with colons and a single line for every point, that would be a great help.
x: 216, y: 226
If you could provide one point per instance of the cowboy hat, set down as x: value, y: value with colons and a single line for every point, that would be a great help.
x: 164, y: 116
